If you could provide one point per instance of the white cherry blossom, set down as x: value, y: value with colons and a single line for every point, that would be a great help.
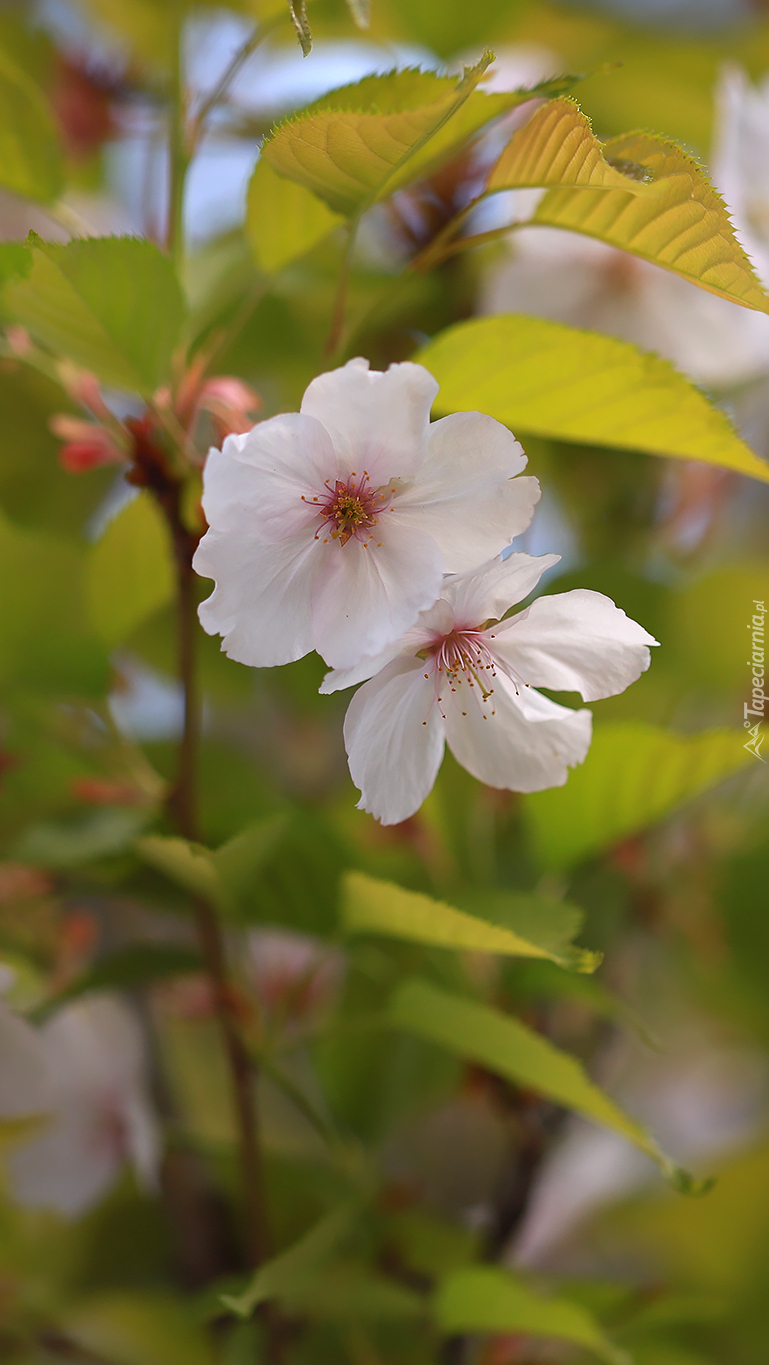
x: 84, y: 1072
x: 331, y: 528
x: 459, y: 679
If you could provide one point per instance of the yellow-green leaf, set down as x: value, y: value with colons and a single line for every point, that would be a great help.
x: 283, y: 219
x: 364, y: 141
x: 130, y: 571
x: 507, y: 1047
x: 558, y: 147
x: 684, y: 226
x: 633, y: 775
x: 277, y: 1276
x: 548, y: 379
x: 111, y: 304
x: 490, y: 1299
x: 188, y: 865
x: 30, y: 157
x: 370, y: 906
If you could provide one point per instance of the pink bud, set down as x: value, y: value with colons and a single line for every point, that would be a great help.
x: 231, y: 403
x: 86, y: 445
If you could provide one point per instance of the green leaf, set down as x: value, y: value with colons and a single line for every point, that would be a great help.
x: 303, y: 1258
x: 283, y: 219
x: 549, y: 923
x: 558, y: 147
x: 237, y: 862
x: 45, y: 642
x: 70, y: 843
x: 189, y: 865
x: 30, y: 157
x: 362, y: 142
x: 138, y: 964
x: 684, y: 226
x: 507, y: 1047
x: 137, y: 1327
x: 551, y: 380
x: 130, y: 572
x: 490, y: 1299
x: 375, y: 907
x: 111, y: 304
x: 634, y: 775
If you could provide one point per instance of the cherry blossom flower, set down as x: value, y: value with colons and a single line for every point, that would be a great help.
x: 85, y: 1071
x: 458, y: 679
x: 331, y: 528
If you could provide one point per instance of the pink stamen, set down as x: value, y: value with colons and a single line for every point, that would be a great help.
x: 351, y: 509
x: 466, y: 656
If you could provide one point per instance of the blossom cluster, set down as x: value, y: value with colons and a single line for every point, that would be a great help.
x: 362, y: 530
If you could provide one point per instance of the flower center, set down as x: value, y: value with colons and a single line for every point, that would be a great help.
x: 469, y: 657
x: 352, y: 508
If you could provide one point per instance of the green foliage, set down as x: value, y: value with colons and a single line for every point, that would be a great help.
x: 130, y: 571
x: 507, y: 1047
x: 297, y: 1265
x: 489, y: 1299
x: 684, y: 227
x: 558, y: 147
x: 364, y: 141
x: 551, y: 380
x: 606, y: 800
x: 30, y: 159
x: 284, y: 220
x: 110, y: 304
x: 374, y: 907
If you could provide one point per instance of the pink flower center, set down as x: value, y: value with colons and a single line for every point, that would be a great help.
x: 467, y: 656
x: 463, y: 656
x: 352, y: 508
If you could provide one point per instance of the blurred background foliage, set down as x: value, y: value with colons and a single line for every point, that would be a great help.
x: 655, y: 855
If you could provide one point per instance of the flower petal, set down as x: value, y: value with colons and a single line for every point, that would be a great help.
x: 488, y: 592
x: 524, y: 753
x: 465, y: 494
x: 576, y: 642
x: 394, y: 739
x: 378, y: 421
x: 262, y: 601
x: 368, y: 594
x: 268, y: 480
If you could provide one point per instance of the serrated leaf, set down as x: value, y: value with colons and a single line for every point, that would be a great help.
x: 30, y: 156
x: 370, y: 906
x: 111, y: 304
x: 130, y: 571
x: 634, y: 775
x: 362, y: 142
x: 490, y: 1299
x: 684, y: 226
x: 551, y: 380
x: 507, y: 1047
x: 283, y: 219
x: 558, y: 147
x: 188, y: 865
x: 278, y: 1275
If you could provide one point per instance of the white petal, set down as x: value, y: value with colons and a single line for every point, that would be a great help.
x: 23, y: 1068
x: 576, y: 642
x: 488, y: 592
x: 465, y: 494
x: 269, y: 479
x: 368, y: 594
x: 262, y: 601
x: 378, y: 421
x: 524, y: 753
x: 70, y: 1166
x: 394, y: 739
